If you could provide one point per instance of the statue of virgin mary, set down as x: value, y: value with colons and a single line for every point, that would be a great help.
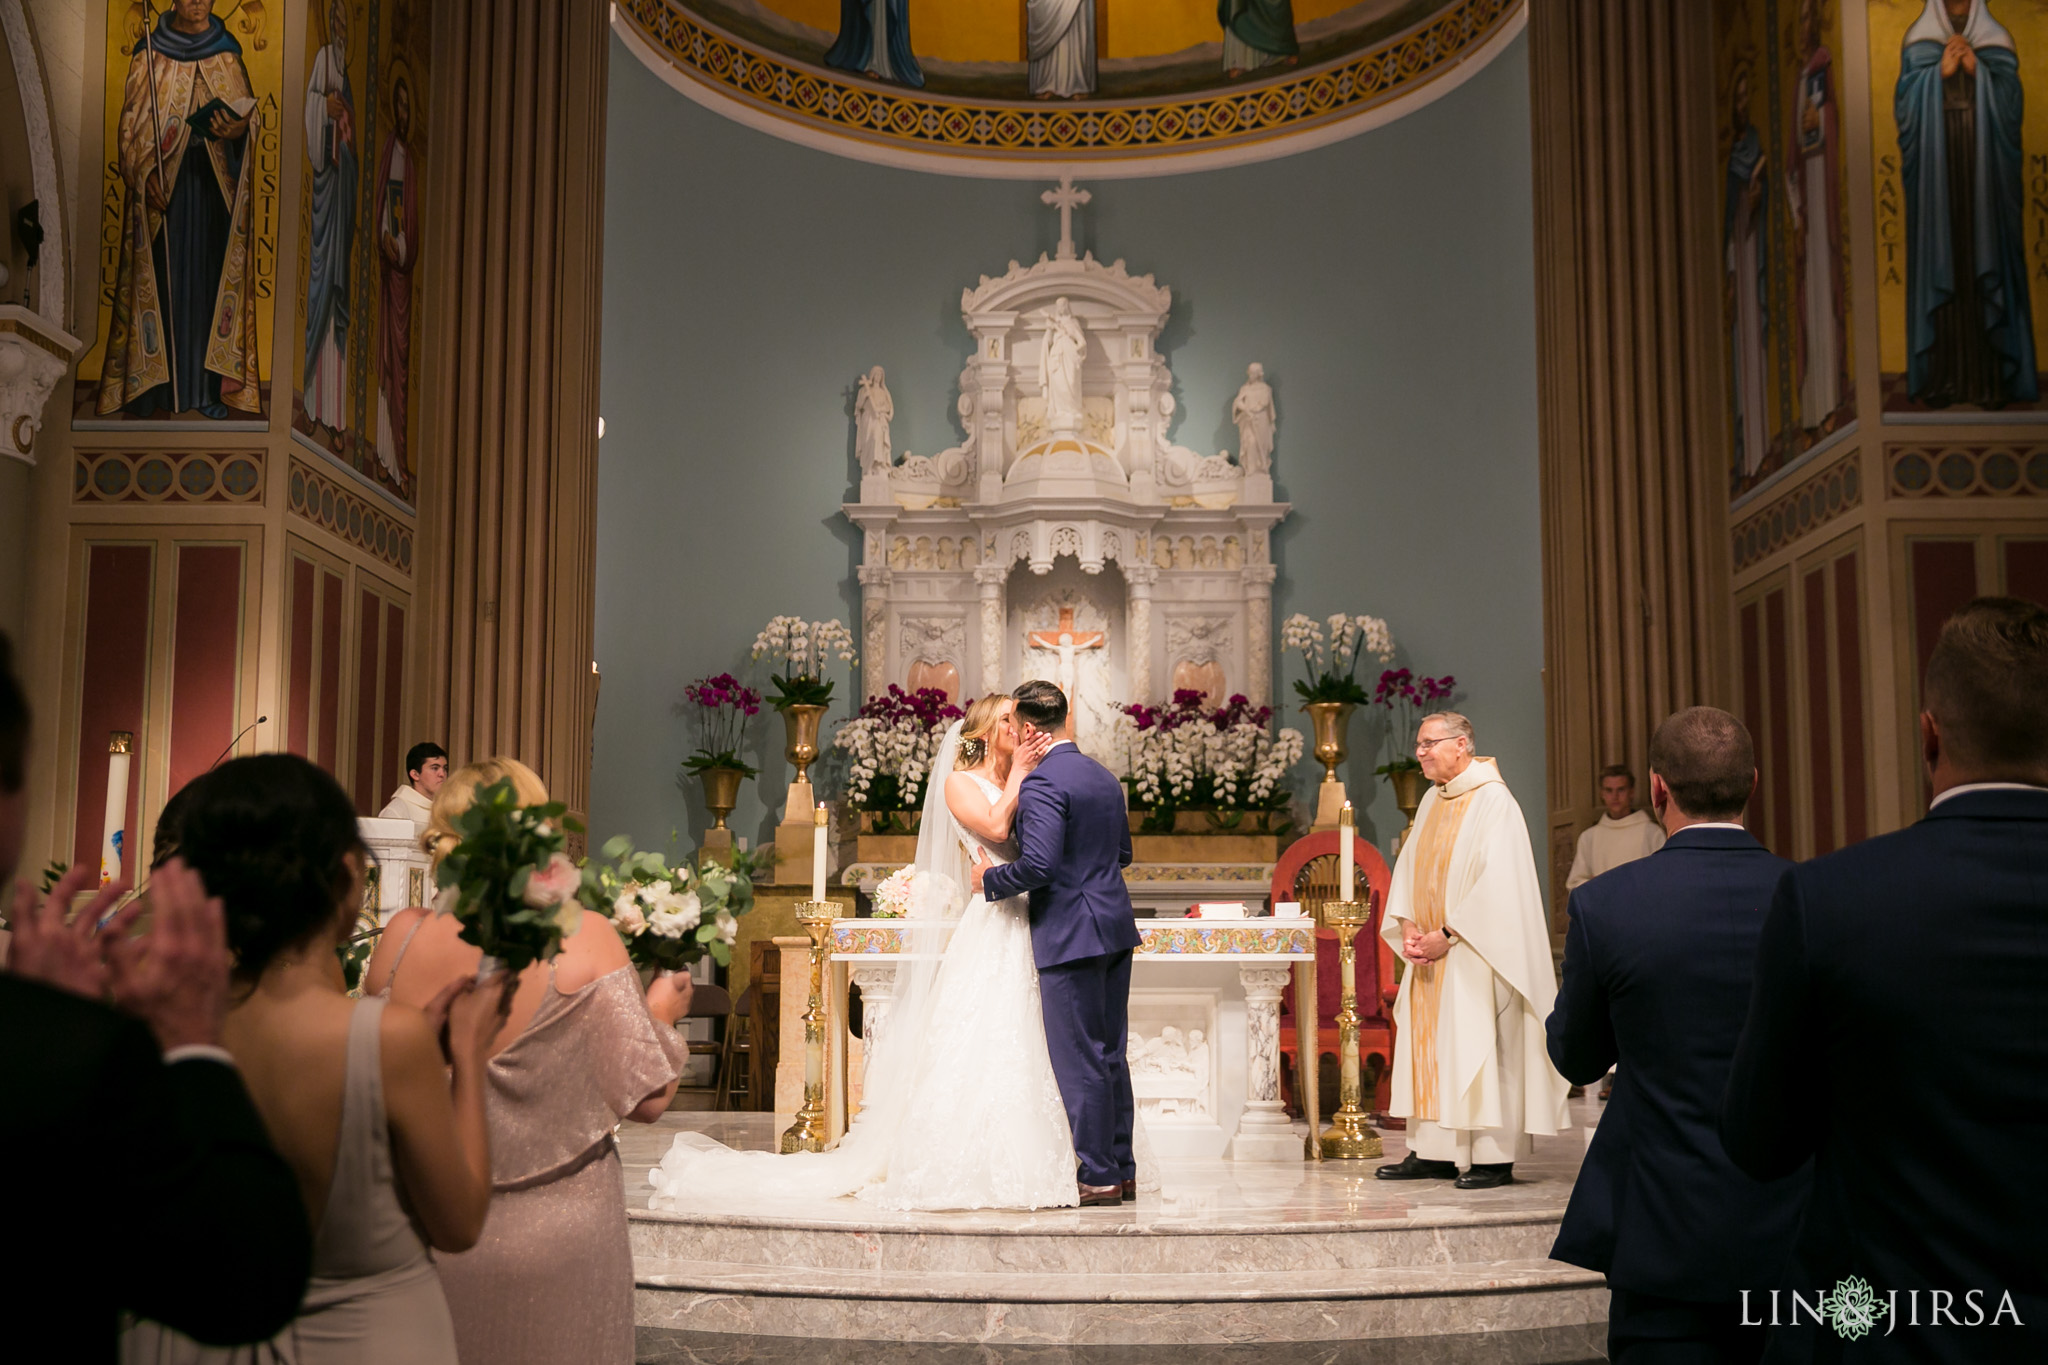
x: 1065, y: 345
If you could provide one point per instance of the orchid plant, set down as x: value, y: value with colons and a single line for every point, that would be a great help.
x: 1330, y: 656
x: 1407, y: 699
x: 723, y: 708
x: 891, y: 746
x: 1185, y: 756
x: 804, y: 648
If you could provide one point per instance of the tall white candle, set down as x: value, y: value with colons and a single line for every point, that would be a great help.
x: 818, y: 853
x: 1346, y: 825
x: 114, y: 835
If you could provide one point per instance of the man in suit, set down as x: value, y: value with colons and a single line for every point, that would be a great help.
x: 1898, y: 1036
x: 135, y: 1173
x: 1074, y: 841
x: 1657, y: 967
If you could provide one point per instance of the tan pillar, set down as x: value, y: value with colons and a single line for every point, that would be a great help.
x: 509, y: 483
x: 1636, y: 578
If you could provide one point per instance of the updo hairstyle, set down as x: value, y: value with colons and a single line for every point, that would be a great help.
x: 983, y: 716
x: 458, y: 794
x: 270, y: 835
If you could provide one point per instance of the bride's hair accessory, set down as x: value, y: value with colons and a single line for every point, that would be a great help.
x: 982, y: 718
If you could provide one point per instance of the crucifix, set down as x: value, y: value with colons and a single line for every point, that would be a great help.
x: 1066, y: 641
x: 1066, y: 199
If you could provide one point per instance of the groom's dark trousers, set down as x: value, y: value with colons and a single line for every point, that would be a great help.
x: 1074, y: 841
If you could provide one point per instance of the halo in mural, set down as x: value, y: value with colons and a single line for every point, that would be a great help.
x: 1012, y: 87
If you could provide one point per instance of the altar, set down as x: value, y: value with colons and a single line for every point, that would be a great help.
x: 1205, y: 1024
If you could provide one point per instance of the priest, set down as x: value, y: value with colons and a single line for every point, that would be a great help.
x: 1470, y: 1070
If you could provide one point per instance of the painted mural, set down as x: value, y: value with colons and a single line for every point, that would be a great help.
x: 355, y: 361
x: 1959, y: 121
x: 1784, y: 236
x: 188, y: 215
x: 1063, y: 49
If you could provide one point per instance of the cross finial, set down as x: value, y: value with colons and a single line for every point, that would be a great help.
x: 1066, y: 199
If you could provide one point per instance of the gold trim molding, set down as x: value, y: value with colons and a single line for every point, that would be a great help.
x: 1025, y: 137
x: 347, y: 514
x: 1832, y: 493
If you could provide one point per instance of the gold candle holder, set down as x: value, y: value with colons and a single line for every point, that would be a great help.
x: 1350, y: 1137
x: 808, y: 1133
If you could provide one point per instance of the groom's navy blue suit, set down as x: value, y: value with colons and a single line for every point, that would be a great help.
x: 1074, y: 842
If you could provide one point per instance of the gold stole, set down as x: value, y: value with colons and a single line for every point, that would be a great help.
x: 1434, y: 844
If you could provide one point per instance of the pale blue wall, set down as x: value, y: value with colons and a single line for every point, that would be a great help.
x: 1386, y: 282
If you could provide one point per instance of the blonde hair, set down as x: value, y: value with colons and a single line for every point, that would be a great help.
x: 983, y: 715
x: 458, y: 794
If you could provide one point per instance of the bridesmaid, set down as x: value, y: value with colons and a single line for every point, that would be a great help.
x: 356, y: 1093
x: 551, y: 1281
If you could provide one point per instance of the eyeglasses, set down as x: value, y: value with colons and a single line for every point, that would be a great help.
x: 1423, y: 746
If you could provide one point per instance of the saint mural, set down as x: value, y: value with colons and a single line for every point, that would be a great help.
x: 398, y: 239
x: 1746, y: 248
x: 182, y: 333
x: 1257, y: 33
x: 331, y: 160
x: 1969, y: 322
x: 874, y: 40
x: 1813, y: 165
x: 1060, y: 40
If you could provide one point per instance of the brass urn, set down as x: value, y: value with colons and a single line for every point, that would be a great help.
x: 1409, y: 785
x: 721, y: 792
x: 800, y: 723
x: 1332, y: 721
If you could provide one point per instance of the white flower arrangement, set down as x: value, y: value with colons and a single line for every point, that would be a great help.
x: 891, y: 746
x: 1330, y: 652
x: 804, y: 648
x: 669, y: 916
x: 892, y: 896
x: 910, y: 893
x: 1184, y: 756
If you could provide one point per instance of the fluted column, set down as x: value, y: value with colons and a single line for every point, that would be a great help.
x: 1636, y: 579
x: 509, y: 478
x: 1139, y: 578
x: 991, y: 575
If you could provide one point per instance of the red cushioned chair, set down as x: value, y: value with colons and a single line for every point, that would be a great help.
x: 1308, y: 872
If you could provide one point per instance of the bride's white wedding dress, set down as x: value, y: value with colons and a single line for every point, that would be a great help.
x: 961, y: 1108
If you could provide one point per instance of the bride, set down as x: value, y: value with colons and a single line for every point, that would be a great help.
x: 960, y: 1107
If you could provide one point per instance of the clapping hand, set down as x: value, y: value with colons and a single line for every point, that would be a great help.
x: 175, y: 976
x: 56, y: 953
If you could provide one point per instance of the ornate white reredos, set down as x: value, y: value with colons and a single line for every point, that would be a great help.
x: 1067, y: 488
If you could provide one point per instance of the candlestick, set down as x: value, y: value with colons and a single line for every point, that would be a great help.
x: 114, y: 836
x: 1349, y: 1137
x: 808, y: 1133
x: 818, y: 818
x: 1347, y: 824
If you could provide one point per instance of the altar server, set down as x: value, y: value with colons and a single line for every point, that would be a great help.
x: 1470, y: 1072
x: 1621, y: 835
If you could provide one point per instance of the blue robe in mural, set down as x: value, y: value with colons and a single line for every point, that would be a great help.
x: 1969, y: 324
x: 855, y: 50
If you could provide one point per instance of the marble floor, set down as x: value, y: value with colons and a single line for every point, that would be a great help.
x: 1331, y: 1223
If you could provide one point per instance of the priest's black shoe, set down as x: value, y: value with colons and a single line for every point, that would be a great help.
x: 1413, y: 1167
x: 1487, y: 1177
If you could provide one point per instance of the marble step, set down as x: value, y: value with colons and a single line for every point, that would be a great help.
x: 1320, y: 1304
x: 1070, y: 1243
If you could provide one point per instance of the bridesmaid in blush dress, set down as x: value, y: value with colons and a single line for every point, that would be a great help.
x: 551, y: 1280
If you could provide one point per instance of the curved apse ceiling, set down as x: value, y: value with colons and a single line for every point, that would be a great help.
x: 946, y: 86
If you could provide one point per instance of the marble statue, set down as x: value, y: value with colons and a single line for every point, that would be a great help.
x: 1252, y: 411
x: 873, y: 410
x: 1060, y: 41
x: 1065, y: 345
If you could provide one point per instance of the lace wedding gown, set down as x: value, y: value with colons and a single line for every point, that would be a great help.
x: 961, y: 1108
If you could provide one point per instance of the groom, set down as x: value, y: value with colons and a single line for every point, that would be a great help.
x: 1074, y: 842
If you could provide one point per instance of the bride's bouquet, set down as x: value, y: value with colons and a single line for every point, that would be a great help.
x: 668, y: 916
x: 911, y: 893
x: 514, y: 891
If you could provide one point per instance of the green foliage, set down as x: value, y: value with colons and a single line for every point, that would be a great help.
x: 669, y: 916
x: 1332, y: 687
x: 503, y: 846
x: 704, y: 761
x: 797, y: 689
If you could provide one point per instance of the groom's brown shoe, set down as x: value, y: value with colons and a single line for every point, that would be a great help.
x: 1101, y: 1194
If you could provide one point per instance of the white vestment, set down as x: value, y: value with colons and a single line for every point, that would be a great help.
x: 1611, y: 842
x: 407, y: 804
x: 1494, y: 1084
x: 1061, y: 41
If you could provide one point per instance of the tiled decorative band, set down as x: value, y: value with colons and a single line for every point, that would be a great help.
x: 341, y: 511
x: 168, y: 476
x: 1829, y: 494
x: 1979, y: 471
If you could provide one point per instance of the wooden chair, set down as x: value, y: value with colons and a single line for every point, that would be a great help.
x: 709, y: 1001
x: 764, y: 975
x: 1308, y: 872
x: 735, y: 1064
